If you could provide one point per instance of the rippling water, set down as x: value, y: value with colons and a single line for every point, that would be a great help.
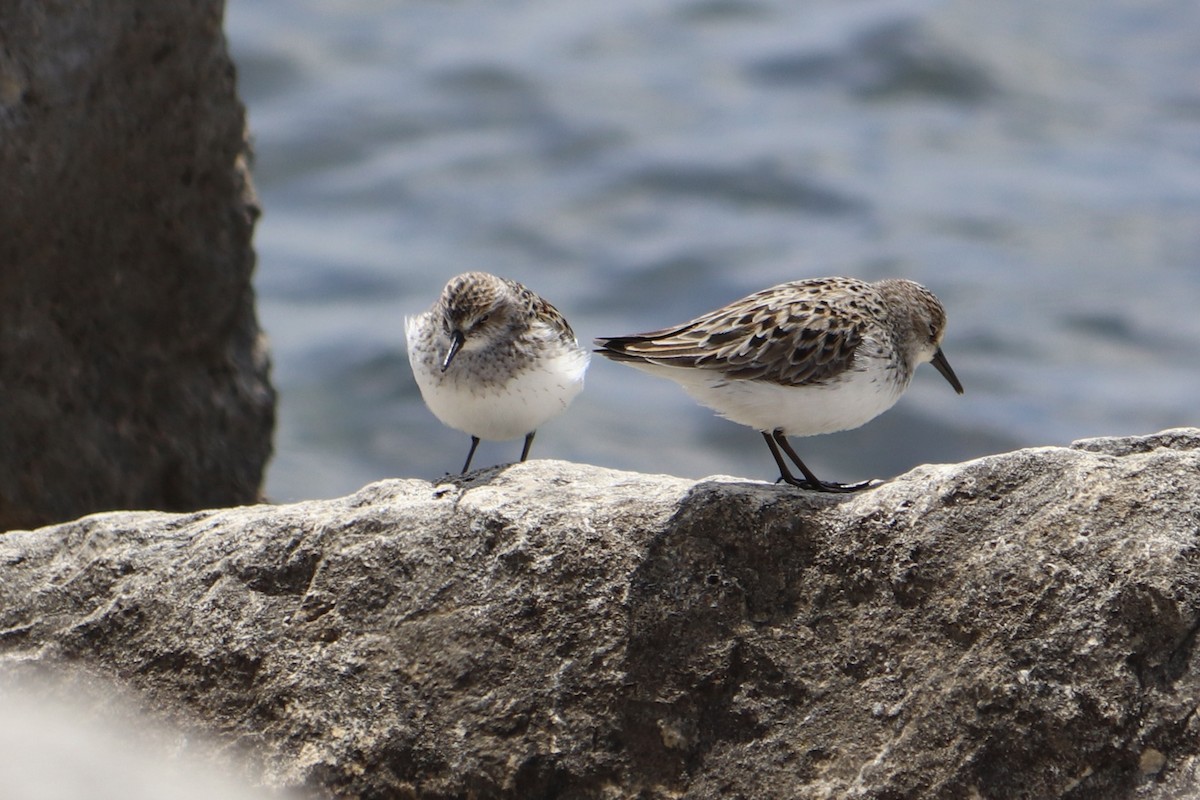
x: 1036, y: 164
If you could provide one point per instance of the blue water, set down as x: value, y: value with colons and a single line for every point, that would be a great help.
x: 1036, y: 164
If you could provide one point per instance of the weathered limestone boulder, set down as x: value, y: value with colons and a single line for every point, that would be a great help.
x: 132, y: 371
x: 1023, y: 625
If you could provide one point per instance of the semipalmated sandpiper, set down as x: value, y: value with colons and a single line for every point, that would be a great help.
x: 799, y: 359
x: 493, y: 359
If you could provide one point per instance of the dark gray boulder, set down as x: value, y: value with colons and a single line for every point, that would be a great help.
x: 1022, y: 625
x: 132, y: 370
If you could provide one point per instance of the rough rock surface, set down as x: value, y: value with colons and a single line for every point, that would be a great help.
x: 132, y: 374
x: 1022, y: 625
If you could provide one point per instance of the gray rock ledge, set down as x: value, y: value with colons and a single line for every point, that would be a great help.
x: 1022, y: 625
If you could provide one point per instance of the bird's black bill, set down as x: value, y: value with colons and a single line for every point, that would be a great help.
x: 456, y: 343
x: 943, y: 366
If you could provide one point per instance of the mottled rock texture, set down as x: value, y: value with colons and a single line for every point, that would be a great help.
x: 1023, y: 625
x: 132, y: 372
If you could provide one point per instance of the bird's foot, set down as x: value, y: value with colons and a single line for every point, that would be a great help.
x: 828, y: 487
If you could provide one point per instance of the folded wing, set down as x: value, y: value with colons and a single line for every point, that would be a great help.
x: 790, y: 341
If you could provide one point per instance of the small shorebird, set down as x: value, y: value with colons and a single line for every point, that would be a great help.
x: 493, y: 359
x: 799, y: 359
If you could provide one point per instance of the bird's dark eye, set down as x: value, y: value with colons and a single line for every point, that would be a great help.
x: 483, y: 320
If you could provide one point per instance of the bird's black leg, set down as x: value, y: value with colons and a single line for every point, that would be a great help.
x: 471, y: 454
x: 812, y: 481
x: 785, y: 474
x: 528, y: 444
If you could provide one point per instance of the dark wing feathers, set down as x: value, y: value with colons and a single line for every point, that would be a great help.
x: 784, y: 337
x: 536, y: 305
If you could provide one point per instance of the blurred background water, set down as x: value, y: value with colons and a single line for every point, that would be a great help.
x: 637, y: 162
